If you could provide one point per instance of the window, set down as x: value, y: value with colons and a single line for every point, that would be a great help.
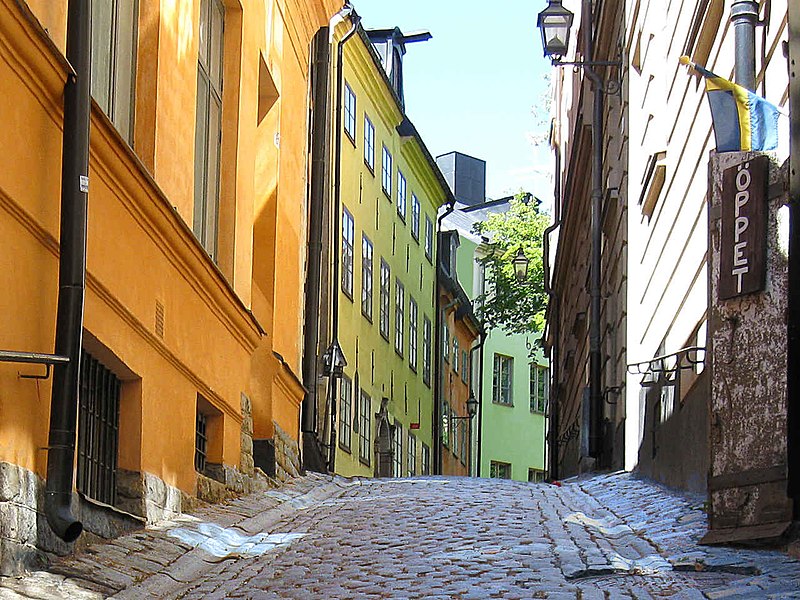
x: 350, y: 112
x: 455, y: 354
x: 397, y: 458
x: 425, y: 460
x: 200, y: 442
x: 98, y: 431
x: 369, y: 144
x: 501, y: 380
x: 464, y: 366
x: 538, y: 388
x: 535, y: 475
x: 208, y: 128
x: 386, y: 172
x: 445, y: 423
x: 348, y: 235
x: 426, y: 351
x: 386, y: 276
x: 399, y: 317
x: 365, y: 428
x: 345, y: 413
x: 415, y: 217
x: 401, y: 195
x: 446, y: 344
x: 499, y: 470
x: 411, y: 461
x: 413, y: 313
x: 114, y: 61
x: 428, y: 238
x: 366, y: 277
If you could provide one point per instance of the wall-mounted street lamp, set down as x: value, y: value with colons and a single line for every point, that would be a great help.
x: 555, y: 38
x: 333, y: 361
x: 520, y: 263
x: 555, y: 23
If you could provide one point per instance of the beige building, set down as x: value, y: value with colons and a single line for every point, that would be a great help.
x: 657, y: 146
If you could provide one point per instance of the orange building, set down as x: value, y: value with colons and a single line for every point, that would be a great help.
x: 195, y: 246
x: 459, y: 331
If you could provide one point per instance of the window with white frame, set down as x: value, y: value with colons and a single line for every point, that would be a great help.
x: 386, y: 283
x: 428, y: 238
x: 369, y: 143
x: 445, y: 343
x: 208, y: 126
x: 366, y: 277
x: 415, y: 208
x: 499, y: 470
x: 399, y: 317
x: 535, y: 475
x: 413, y: 325
x: 411, y: 462
x: 401, y: 195
x: 345, y: 412
x: 397, y: 458
x: 502, y: 392
x: 350, y: 112
x: 538, y: 388
x: 365, y: 428
x: 426, y: 350
x: 113, y: 77
x: 464, y: 366
x: 425, y: 460
x: 386, y: 172
x: 455, y: 354
x: 348, y: 238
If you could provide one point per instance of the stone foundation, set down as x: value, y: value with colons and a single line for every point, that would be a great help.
x: 287, y: 455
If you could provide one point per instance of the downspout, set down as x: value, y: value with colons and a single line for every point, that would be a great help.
x: 554, y: 314
x: 595, y: 362
x: 744, y: 17
x: 479, y: 347
x: 437, y: 349
x: 319, y: 151
x: 71, y: 276
x: 347, y: 11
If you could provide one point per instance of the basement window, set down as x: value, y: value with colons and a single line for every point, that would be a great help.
x: 207, y: 439
x: 98, y: 431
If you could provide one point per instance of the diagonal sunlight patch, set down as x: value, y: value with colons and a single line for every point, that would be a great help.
x: 221, y: 542
x: 600, y: 525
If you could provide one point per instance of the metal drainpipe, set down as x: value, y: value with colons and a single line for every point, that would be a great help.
x: 554, y: 312
x: 347, y: 11
x: 71, y: 276
x: 744, y: 17
x: 437, y: 343
x: 479, y: 347
x: 595, y: 362
x: 319, y: 148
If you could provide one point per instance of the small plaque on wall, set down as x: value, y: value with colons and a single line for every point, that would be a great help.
x: 743, y: 243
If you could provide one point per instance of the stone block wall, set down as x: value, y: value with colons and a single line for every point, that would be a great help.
x: 287, y: 455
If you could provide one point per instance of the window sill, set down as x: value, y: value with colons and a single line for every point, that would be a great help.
x: 370, y: 168
x: 344, y: 448
x: 508, y: 404
x: 387, y: 193
x: 349, y: 295
x: 350, y: 137
x: 366, y: 316
x: 363, y: 461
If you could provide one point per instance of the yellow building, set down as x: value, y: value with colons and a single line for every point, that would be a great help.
x: 195, y: 242
x: 381, y: 280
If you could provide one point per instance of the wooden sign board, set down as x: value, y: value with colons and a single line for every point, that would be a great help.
x: 743, y: 251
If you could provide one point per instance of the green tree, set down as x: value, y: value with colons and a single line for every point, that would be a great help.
x: 515, y: 306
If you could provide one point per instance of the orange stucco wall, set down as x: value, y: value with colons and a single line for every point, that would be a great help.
x: 141, y: 251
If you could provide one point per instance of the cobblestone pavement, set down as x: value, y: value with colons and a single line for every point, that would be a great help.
x: 605, y: 536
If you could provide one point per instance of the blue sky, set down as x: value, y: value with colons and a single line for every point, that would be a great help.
x: 473, y: 86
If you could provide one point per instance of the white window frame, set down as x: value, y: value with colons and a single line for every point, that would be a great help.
x: 386, y: 172
x: 397, y: 454
x: 365, y: 429
x: 345, y: 413
x: 402, y: 191
x: 426, y: 350
x: 503, y: 380
x: 413, y: 332
x: 411, y: 455
x: 369, y: 143
x: 385, y: 299
x: 539, y: 386
x: 348, y: 240
x: 415, y: 210
x: 399, y: 317
x: 350, y: 112
x: 366, y: 276
x: 428, y: 239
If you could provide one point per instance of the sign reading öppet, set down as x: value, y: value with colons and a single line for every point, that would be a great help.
x: 743, y: 251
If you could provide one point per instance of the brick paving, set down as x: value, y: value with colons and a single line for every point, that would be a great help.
x: 605, y: 536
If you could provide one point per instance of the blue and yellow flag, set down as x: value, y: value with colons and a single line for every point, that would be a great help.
x: 742, y: 120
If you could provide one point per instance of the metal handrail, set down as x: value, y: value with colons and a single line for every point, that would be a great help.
x: 36, y: 358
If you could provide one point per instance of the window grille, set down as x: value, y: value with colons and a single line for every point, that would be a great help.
x: 98, y: 431
x: 201, y: 442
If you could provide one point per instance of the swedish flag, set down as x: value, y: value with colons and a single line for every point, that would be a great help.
x: 742, y: 120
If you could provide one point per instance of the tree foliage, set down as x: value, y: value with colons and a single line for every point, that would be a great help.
x: 514, y: 306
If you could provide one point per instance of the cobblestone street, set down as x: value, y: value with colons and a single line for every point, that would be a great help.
x: 611, y: 536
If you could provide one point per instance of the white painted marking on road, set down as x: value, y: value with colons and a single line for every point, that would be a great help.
x: 221, y: 542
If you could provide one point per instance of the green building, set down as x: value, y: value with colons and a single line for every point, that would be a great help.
x: 514, y: 378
